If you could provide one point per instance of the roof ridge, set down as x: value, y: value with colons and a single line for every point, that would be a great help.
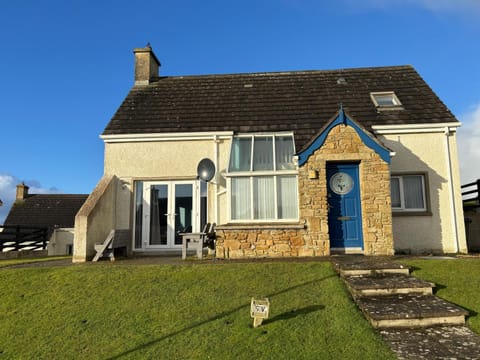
x: 289, y: 72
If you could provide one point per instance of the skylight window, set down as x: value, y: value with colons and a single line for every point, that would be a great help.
x: 386, y: 100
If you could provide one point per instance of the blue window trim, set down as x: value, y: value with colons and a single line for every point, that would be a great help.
x: 343, y: 118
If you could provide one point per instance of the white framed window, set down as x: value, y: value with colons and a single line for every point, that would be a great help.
x: 262, y: 178
x: 386, y: 100
x: 409, y: 193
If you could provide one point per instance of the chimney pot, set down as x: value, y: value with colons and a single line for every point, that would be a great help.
x: 146, y: 65
x: 22, y: 191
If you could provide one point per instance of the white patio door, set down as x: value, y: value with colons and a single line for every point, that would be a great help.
x: 170, y: 208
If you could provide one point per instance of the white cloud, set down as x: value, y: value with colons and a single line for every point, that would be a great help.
x: 8, y: 186
x: 451, y: 6
x: 448, y: 5
x: 468, y: 139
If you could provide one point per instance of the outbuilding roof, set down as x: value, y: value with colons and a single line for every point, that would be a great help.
x: 298, y: 101
x: 46, y: 210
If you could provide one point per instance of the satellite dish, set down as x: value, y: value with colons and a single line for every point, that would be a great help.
x: 206, y: 169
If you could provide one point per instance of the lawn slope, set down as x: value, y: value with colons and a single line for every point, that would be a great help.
x: 112, y: 311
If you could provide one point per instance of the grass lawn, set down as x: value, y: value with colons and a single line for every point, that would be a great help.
x: 195, y: 311
x: 458, y: 281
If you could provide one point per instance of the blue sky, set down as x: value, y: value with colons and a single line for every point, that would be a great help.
x: 65, y: 66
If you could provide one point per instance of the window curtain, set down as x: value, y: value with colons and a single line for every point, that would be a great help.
x: 413, y: 192
x: 268, y: 195
x: 241, y: 154
x: 263, y: 153
x: 287, y: 197
x: 138, y: 213
x: 155, y: 238
x: 240, y: 200
x: 395, y: 190
x: 283, y: 152
x: 264, y: 197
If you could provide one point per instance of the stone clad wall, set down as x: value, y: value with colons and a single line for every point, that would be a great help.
x: 376, y: 207
x: 252, y: 241
x: 344, y: 144
x: 311, y: 236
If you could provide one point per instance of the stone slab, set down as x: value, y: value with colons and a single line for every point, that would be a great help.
x: 410, y: 310
x: 362, y: 265
x: 440, y: 342
x: 387, y: 285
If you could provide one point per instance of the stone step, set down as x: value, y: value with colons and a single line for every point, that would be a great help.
x: 364, y: 266
x: 382, y: 285
x: 438, y: 342
x: 400, y: 311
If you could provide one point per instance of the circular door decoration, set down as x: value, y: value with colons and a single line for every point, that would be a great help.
x: 341, y: 183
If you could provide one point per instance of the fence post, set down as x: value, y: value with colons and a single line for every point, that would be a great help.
x: 17, y: 238
x: 44, y: 235
x: 478, y: 192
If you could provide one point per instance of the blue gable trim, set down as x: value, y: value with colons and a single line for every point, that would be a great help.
x: 343, y: 118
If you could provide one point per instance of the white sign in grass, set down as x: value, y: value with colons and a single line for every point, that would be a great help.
x: 259, y: 310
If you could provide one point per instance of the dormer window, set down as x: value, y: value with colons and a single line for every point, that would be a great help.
x: 386, y: 100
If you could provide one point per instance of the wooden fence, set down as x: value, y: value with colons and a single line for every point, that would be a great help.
x: 18, y: 238
x: 471, y: 195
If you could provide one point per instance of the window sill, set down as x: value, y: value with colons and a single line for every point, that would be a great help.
x: 411, y: 213
x: 390, y: 108
x: 260, y: 226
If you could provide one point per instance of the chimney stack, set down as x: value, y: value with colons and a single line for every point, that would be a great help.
x: 146, y: 65
x: 22, y: 191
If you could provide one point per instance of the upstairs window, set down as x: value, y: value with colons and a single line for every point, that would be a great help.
x: 262, y: 178
x: 386, y: 100
x: 261, y: 153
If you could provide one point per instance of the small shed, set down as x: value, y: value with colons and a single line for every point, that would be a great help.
x: 55, y: 212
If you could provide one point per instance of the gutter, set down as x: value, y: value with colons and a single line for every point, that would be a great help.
x: 126, y: 138
x: 415, y: 128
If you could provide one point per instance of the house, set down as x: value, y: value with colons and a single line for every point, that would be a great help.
x: 308, y: 163
x: 55, y: 212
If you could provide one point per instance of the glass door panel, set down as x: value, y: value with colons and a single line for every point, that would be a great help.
x: 159, y: 215
x: 183, y: 210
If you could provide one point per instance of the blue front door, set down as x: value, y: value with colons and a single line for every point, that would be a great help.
x: 344, y: 210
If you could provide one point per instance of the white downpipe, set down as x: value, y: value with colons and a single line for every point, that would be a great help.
x: 115, y: 189
x: 451, y: 188
x: 215, y: 183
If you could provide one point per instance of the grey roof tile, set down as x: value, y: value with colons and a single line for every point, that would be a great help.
x: 46, y: 210
x: 302, y: 101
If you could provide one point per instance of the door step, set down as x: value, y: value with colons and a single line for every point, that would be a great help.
x: 361, y: 266
x: 400, y: 311
x: 387, y: 284
x: 390, y: 298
